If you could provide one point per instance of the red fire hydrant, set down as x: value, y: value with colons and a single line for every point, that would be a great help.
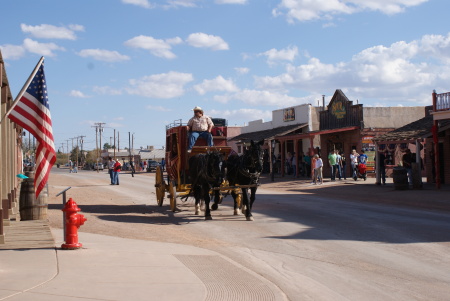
x: 73, y: 222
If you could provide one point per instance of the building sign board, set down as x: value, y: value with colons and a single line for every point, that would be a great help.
x: 338, y: 109
x: 289, y: 114
x: 369, y: 148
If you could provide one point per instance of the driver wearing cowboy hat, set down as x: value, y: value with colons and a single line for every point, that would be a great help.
x: 199, y: 126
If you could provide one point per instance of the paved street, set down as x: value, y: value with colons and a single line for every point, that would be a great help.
x: 311, y: 245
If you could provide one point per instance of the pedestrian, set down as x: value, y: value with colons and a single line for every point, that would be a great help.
x: 382, y: 165
x: 133, y: 170
x: 363, y: 157
x: 199, y: 126
x: 163, y: 164
x: 301, y: 164
x: 407, y: 160
x: 70, y: 166
x: 338, y: 164
x: 141, y: 165
x: 313, y: 168
x: 354, y: 162
x: 332, y: 162
x: 318, y: 164
x: 145, y: 165
x: 279, y: 163
x: 111, y: 163
x: 344, y: 165
x: 294, y: 164
x: 307, y: 160
x: 117, y: 168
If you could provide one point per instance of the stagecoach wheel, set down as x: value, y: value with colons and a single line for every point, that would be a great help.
x: 160, y: 186
x: 173, y: 196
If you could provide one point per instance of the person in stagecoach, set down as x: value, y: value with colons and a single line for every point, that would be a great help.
x: 199, y: 126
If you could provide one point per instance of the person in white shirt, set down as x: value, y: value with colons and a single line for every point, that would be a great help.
x: 354, y: 161
x: 318, y: 169
x: 338, y: 164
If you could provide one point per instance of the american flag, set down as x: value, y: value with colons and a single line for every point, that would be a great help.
x: 32, y: 112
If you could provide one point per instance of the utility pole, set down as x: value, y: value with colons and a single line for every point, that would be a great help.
x: 98, y: 129
x: 82, y: 154
x: 68, y: 156
x: 114, y: 144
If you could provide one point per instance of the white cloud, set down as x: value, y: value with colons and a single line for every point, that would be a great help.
x: 203, y: 40
x: 242, y: 114
x: 305, y: 10
x: 165, y: 85
x: 180, y: 3
x: 231, y: 1
x: 105, y: 90
x: 397, y: 70
x: 158, y: 108
x: 157, y: 47
x: 141, y: 3
x: 78, y: 94
x: 259, y: 97
x: 217, y: 84
x: 45, y: 49
x: 103, y: 55
x: 287, y: 54
x: 46, y: 31
x: 12, y: 52
x: 242, y: 70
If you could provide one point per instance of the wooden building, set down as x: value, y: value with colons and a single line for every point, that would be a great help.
x: 10, y: 156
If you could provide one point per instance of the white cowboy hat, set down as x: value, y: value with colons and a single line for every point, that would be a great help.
x: 197, y: 109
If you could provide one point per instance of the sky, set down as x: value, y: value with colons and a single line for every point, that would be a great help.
x: 139, y: 65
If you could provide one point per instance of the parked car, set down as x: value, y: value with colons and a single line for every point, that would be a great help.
x: 152, y: 165
x: 100, y: 166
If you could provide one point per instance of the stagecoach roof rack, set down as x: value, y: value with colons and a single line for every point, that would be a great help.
x: 175, y: 123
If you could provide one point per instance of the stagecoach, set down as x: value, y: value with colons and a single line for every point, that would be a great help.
x: 177, y: 182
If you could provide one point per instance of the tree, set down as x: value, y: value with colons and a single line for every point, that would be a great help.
x: 107, y: 146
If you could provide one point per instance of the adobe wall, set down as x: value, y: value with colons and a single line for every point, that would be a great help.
x: 391, y: 117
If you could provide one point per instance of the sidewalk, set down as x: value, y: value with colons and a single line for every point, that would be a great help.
x: 34, y: 267
x: 427, y: 198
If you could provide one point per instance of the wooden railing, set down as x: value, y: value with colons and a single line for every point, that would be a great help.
x: 443, y: 101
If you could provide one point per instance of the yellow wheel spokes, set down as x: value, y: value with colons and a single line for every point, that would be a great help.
x: 160, y: 186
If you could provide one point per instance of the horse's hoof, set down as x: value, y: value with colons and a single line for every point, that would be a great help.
x: 236, y: 212
x: 250, y: 218
x: 208, y: 218
x: 214, y: 207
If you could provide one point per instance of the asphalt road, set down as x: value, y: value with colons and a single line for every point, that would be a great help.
x: 312, y: 246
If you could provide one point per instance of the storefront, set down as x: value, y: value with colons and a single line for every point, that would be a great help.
x: 345, y: 126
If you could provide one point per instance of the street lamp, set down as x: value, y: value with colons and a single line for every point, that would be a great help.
x: 273, y: 160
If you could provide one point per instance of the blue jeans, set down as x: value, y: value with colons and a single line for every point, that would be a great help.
x: 339, y: 171
x: 193, y: 136
x: 111, y: 175
x: 409, y: 172
x: 115, y: 177
x: 333, y: 172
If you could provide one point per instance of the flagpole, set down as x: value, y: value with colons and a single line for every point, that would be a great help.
x: 25, y: 86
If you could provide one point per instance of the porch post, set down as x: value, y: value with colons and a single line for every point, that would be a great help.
x: 296, y: 157
x: 283, y: 157
x: 377, y: 165
x: 435, y: 131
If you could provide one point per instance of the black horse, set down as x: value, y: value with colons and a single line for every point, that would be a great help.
x: 205, y: 173
x: 245, y: 170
